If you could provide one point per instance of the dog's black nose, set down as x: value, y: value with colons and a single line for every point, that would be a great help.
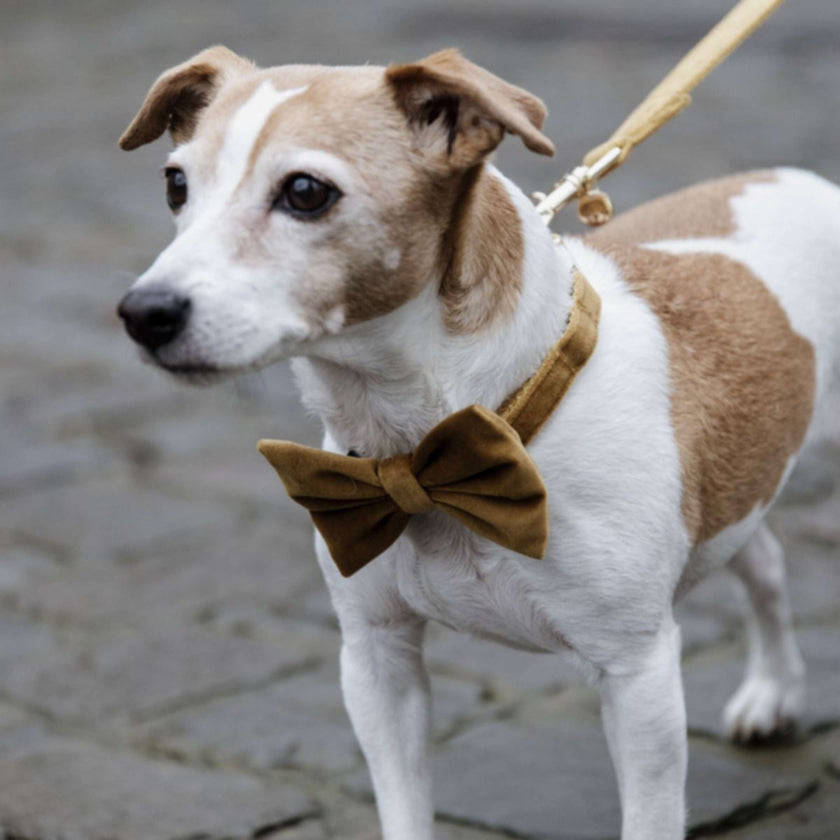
x: 154, y: 315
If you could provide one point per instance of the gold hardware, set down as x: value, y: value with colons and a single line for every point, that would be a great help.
x: 595, y: 208
x: 579, y: 183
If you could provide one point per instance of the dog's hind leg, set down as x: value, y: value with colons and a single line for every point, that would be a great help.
x: 771, y: 696
x: 386, y: 691
x: 643, y: 713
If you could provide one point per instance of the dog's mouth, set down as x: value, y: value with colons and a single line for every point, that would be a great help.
x: 191, y: 373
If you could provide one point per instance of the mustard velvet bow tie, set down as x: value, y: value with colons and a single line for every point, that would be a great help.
x: 473, y: 466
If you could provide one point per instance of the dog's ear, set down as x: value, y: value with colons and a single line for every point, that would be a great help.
x: 174, y: 100
x: 462, y: 111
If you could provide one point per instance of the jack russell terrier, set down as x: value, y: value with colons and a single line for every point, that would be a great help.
x: 348, y: 217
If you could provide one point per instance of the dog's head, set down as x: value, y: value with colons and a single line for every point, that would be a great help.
x: 307, y: 199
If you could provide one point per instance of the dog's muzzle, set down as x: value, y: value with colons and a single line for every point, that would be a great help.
x: 154, y: 316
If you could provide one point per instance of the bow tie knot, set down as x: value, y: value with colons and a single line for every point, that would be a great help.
x: 400, y: 483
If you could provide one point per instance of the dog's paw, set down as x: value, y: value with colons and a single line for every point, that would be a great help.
x: 764, y: 708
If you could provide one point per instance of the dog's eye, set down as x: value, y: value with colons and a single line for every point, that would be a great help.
x: 306, y: 196
x: 176, y: 188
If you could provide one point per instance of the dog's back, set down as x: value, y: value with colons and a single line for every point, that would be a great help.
x: 744, y: 275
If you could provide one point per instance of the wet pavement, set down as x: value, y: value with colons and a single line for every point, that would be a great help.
x: 168, y: 657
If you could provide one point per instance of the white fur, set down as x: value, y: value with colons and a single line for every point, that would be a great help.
x: 772, y: 694
x: 618, y: 547
x: 788, y: 233
x: 232, y: 160
x: 245, y: 314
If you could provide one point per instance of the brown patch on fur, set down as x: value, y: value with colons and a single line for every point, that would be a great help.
x: 694, y: 212
x: 473, y: 105
x: 350, y: 113
x: 483, y: 280
x: 178, y: 96
x: 459, y: 225
x: 742, y: 380
x: 286, y: 78
x: 417, y: 190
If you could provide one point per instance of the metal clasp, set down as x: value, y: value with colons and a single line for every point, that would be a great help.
x: 595, y: 207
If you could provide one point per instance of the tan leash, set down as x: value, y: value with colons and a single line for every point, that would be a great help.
x: 662, y: 104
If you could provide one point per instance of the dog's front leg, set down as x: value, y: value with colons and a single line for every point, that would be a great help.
x: 386, y: 690
x: 644, y: 719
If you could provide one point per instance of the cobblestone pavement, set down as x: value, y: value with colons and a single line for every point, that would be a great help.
x: 167, y: 651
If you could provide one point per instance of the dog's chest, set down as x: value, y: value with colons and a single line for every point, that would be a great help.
x: 447, y: 574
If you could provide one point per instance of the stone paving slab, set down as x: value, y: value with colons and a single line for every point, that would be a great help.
x: 556, y: 780
x: 64, y: 790
x: 29, y: 464
x: 354, y: 820
x: 502, y: 671
x: 817, y: 819
x: 262, y: 570
x: 256, y: 732
x: 77, y: 678
x: 111, y: 516
x: 710, y: 681
x: 157, y: 592
x: 298, y: 722
x: 821, y: 523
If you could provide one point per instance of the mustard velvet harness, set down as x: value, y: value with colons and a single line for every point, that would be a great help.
x: 473, y: 466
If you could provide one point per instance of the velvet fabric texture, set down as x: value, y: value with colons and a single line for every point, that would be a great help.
x: 473, y: 466
x: 534, y: 402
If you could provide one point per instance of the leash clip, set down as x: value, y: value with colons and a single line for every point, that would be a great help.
x: 594, y: 206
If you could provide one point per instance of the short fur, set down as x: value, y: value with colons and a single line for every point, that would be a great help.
x: 432, y: 285
x: 732, y: 352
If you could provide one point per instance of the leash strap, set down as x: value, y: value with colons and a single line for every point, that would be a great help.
x: 662, y: 104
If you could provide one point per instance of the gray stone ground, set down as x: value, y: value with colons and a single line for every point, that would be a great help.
x: 167, y: 651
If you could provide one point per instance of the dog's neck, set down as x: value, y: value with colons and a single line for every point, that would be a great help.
x: 380, y: 387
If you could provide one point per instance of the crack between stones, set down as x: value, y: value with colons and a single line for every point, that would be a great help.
x: 500, y: 830
x: 292, y: 822
x: 189, y: 701
x: 767, y: 805
x: 797, y: 737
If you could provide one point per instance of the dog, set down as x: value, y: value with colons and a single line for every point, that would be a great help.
x: 349, y: 219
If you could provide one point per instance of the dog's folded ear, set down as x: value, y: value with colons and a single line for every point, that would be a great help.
x: 174, y: 100
x: 462, y: 111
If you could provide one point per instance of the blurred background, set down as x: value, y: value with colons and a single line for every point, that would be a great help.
x: 167, y: 649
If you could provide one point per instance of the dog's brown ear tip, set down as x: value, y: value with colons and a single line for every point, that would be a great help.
x: 544, y: 147
x: 536, y: 141
x: 141, y: 130
x: 127, y: 142
x: 133, y: 138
